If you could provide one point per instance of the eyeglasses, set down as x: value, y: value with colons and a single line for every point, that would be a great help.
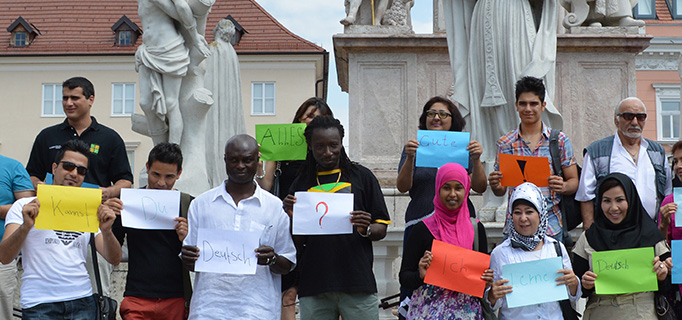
x: 628, y: 116
x: 442, y: 114
x: 69, y: 166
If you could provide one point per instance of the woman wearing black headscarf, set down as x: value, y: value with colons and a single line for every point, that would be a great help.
x: 620, y: 222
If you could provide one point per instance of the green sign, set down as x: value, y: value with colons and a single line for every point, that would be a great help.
x: 280, y: 142
x: 624, y: 271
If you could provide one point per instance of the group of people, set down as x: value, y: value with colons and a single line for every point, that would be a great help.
x: 624, y: 181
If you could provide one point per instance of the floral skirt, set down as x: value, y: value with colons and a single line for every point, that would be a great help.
x: 430, y: 302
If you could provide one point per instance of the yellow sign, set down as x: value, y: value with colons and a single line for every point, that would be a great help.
x: 68, y: 208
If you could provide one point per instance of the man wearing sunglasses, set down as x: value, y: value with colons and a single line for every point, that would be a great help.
x: 108, y: 164
x: 627, y: 152
x: 55, y: 283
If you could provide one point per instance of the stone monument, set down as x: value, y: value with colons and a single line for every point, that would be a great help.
x: 378, y: 16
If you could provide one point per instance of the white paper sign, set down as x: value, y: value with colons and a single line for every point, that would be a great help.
x: 227, y: 251
x: 322, y: 213
x: 150, y: 208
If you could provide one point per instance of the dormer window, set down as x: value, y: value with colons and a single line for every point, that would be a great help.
x: 19, y: 39
x: 22, y: 33
x: 126, y: 32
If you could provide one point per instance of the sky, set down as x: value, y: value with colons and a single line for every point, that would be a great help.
x: 318, y: 20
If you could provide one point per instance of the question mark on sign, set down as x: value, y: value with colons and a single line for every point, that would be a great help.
x: 326, y: 209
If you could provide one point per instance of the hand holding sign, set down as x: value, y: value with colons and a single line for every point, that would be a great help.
x: 281, y: 141
x: 624, y: 271
x: 68, y: 208
x: 150, y: 208
x: 519, y: 169
x: 322, y: 213
x: 457, y: 269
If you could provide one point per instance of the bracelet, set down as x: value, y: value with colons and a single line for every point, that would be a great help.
x: 263, y: 175
x: 273, y: 261
x: 368, y: 233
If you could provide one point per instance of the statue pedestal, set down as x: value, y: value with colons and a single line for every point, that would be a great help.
x: 595, y: 70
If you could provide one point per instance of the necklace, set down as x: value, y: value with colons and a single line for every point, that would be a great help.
x: 326, y: 173
x: 634, y: 155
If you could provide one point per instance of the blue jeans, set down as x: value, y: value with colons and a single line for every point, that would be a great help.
x: 79, y: 309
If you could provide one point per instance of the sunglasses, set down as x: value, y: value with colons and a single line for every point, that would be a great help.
x: 628, y: 116
x: 69, y: 166
x: 442, y: 114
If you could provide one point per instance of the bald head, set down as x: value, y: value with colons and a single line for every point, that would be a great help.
x: 243, y: 141
x: 241, y: 159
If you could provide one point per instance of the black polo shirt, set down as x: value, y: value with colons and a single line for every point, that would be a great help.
x: 108, y: 162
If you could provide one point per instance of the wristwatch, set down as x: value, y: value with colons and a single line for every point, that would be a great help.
x: 368, y: 233
x: 273, y: 260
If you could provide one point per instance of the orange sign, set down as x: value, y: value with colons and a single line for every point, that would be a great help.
x: 519, y: 169
x: 457, y: 269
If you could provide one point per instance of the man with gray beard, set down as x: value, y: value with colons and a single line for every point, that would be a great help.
x: 627, y: 152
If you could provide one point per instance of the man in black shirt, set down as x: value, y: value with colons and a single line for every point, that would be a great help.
x: 155, y: 287
x: 108, y: 167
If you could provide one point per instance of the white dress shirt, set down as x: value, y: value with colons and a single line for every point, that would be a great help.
x: 220, y: 296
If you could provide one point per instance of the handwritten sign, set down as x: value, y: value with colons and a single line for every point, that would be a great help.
x: 227, y: 251
x: 457, y: 269
x: 624, y: 271
x: 677, y: 198
x: 534, y: 282
x: 281, y: 141
x: 437, y: 148
x: 322, y: 213
x: 68, y: 208
x: 49, y: 179
x: 676, y: 253
x: 150, y: 209
x: 519, y: 169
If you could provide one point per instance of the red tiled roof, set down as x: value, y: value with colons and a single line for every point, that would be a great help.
x: 662, y: 14
x: 84, y: 27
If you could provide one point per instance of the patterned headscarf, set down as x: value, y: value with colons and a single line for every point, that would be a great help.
x: 452, y: 226
x: 531, y: 193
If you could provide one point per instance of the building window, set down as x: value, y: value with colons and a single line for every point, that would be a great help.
x: 667, y: 111
x: 52, y: 100
x: 123, y: 99
x: 263, y: 98
x: 131, y: 146
x: 645, y: 9
x: 125, y: 38
x: 20, y: 39
x: 675, y: 7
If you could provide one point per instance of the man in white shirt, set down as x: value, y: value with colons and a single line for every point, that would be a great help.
x: 627, y: 152
x: 240, y: 204
x: 55, y: 284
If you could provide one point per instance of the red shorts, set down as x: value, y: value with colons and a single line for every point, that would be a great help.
x: 134, y: 308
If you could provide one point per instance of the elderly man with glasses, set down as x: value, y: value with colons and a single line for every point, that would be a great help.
x: 627, y: 152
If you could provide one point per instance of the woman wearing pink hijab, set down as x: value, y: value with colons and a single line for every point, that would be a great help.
x: 449, y: 223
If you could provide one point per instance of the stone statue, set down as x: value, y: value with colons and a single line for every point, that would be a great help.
x: 597, y: 13
x: 399, y: 14
x: 352, y: 7
x: 226, y: 117
x: 488, y: 56
x: 162, y: 61
x: 172, y: 92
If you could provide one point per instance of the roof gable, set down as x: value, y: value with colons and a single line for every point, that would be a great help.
x: 85, y: 27
x: 23, y: 23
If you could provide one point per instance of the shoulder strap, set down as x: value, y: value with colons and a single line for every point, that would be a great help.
x: 554, y: 152
x: 557, y: 247
x: 95, y: 264
x: 185, y: 200
x: 474, y: 223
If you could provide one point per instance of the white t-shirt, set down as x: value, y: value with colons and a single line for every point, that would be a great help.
x: 220, y: 296
x: 53, y: 261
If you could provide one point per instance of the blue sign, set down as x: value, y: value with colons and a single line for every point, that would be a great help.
x: 437, y: 148
x: 534, y: 282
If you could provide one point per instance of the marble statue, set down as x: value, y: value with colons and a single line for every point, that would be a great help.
x: 172, y: 92
x: 352, y: 7
x: 399, y: 14
x: 226, y: 117
x: 488, y: 56
x: 162, y: 61
x: 597, y: 13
